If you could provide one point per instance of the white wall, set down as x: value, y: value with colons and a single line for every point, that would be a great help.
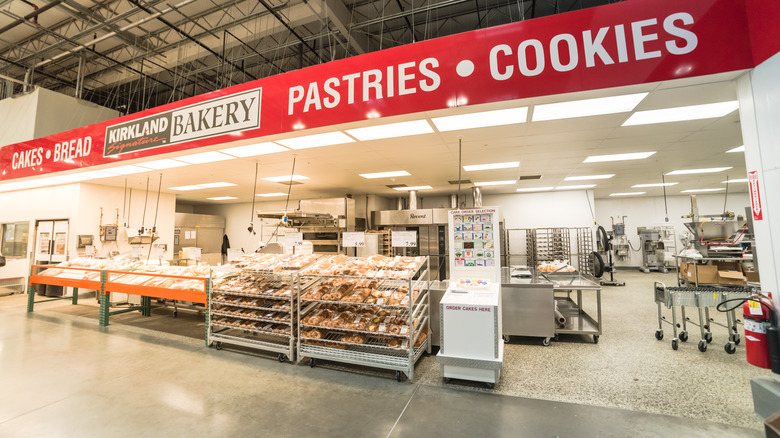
x: 649, y: 211
x: 543, y: 210
x: 80, y: 204
x: 44, y: 112
x: 759, y: 112
x: 237, y: 219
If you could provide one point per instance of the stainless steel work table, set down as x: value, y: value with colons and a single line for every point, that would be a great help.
x: 577, y: 320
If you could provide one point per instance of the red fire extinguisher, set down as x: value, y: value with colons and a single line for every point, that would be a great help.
x: 758, y: 314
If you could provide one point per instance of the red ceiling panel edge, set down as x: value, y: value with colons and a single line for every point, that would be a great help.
x: 764, y: 25
x: 626, y: 43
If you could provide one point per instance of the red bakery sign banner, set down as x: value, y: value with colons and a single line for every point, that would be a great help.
x: 626, y: 43
x: 755, y: 196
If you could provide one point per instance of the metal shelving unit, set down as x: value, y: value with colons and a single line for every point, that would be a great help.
x: 377, y: 340
x: 262, y: 316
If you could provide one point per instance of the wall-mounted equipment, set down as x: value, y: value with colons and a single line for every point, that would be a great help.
x: 85, y: 240
x: 109, y: 233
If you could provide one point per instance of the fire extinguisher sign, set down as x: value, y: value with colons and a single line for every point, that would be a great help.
x: 755, y: 196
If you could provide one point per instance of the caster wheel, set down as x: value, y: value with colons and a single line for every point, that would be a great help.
x: 505, y: 338
x: 175, y: 314
x: 312, y: 362
x: 282, y: 357
x: 218, y: 345
x: 447, y: 380
x: 674, y: 344
x: 398, y: 376
x: 595, y: 339
x: 491, y: 385
x: 737, y: 339
x: 557, y: 337
x: 659, y: 334
x: 683, y: 336
x: 730, y: 348
x: 702, y: 345
x: 546, y: 342
x: 708, y: 337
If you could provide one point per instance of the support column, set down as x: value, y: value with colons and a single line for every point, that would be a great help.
x: 75, y: 295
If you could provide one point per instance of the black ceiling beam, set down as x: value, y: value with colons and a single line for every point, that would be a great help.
x: 188, y: 36
x: 284, y: 23
x: 30, y: 16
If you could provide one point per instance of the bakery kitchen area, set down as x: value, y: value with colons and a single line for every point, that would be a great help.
x: 522, y: 224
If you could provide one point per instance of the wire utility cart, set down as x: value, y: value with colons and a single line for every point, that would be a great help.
x: 371, y: 320
x: 256, y: 309
x: 703, y: 298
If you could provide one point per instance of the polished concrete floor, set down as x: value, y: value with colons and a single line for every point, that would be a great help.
x: 64, y: 376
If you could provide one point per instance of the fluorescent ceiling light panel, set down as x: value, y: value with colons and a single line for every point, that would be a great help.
x: 587, y: 107
x: 536, y: 189
x: 683, y: 113
x: 583, y: 186
x: 494, y: 183
x: 736, y: 149
x: 127, y: 170
x: 481, y: 120
x: 587, y: 177
x: 702, y: 190
x: 216, y: 184
x: 205, y: 157
x: 627, y: 194
x: 254, y: 149
x: 185, y: 188
x: 618, y: 157
x: 268, y: 195
x: 316, y: 140
x: 285, y: 178
x: 222, y: 198
x: 98, y: 174
x: 507, y: 165
x: 638, y: 186
x: 741, y: 180
x: 162, y: 164
x: 692, y: 171
x: 76, y: 177
x: 391, y: 130
x: 413, y: 188
x: 384, y: 174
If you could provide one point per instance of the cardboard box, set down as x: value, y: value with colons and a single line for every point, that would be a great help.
x: 704, y: 273
x: 732, y: 278
x: 727, y: 266
x: 751, y: 275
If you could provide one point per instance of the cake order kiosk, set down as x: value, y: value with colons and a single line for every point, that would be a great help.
x: 471, y: 325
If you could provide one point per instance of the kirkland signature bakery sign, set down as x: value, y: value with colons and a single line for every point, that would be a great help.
x: 218, y: 116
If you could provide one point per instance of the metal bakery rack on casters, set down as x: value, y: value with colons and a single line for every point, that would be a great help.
x: 378, y: 319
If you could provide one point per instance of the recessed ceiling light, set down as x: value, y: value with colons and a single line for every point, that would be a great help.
x: 98, y: 174
x: 582, y: 186
x: 268, y: 195
x: 495, y: 183
x: 413, y: 188
x: 254, y: 149
x: 740, y: 180
x: 391, y: 130
x: 587, y: 107
x: 702, y: 190
x: 637, y: 186
x: 222, y: 198
x: 127, y: 170
x: 316, y: 140
x: 216, y: 184
x: 536, y: 189
x: 692, y: 171
x: 163, y: 164
x: 587, y: 177
x: 185, y: 188
x: 618, y: 157
x: 683, y: 113
x: 384, y: 174
x: 627, y: 194
x: 736, y: 149
x: 507, y: 165
x: 286, y: 178
x: 481, y: 119
x: 205, y: 157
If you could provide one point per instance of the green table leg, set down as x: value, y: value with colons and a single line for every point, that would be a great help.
x: 104, y: 300
x: 31, y: 293
x: 75, y: 295
x: 146, y: 306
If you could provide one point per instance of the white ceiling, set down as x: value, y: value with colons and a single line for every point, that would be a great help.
x: 555, y: 149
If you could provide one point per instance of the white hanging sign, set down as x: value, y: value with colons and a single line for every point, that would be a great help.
x: 293, y: 239
x: 404, y: 239
x: 353, y: 239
